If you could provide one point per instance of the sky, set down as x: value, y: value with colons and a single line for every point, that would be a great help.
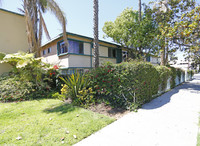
x: 79, y: 15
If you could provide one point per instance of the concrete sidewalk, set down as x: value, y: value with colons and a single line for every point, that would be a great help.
x: 169, y: 120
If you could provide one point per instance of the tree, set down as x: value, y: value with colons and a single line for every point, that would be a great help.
x: 140, y: 10
x: 96, y: 33
x: 186, y: 35
x: 166, y: 14
x: 35, y: 23
x: 185, y: 32
x: 137, y: 36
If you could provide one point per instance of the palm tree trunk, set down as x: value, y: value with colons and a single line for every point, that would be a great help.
x: 96, y: 33
x: 139, y: 11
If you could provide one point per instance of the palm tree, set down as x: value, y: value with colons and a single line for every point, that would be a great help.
x: 35, y: 23
x: 96, y: 33
x: 140, y: 7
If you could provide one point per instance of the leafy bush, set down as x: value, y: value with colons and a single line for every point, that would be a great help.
x: 2, y: 55
x: 52, y: 77
x: 28, y: 79
x: 173, y: 77
x: 59, y: 96
x: 164, y: 75
x: 125, y: 85
x: 12, y: 89
x: 85, y: 97
x: 190, y: 73
x: 178, y: 73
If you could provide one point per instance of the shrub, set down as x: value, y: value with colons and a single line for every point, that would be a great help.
x: 190, y: 73
x: 2, y: 55
x: 85, y: 97
x: 73, y: 84
x: 52, y: 77
x: 12, y: 89
x: 59, y: 96
x: 178, y: 73
x: 125, y: 85
x: 173, y: 77
x: 28, y: 79
x: 164, y: 75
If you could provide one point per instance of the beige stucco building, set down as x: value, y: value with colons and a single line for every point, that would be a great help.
x: 13, y: 36
x: 79, y: 53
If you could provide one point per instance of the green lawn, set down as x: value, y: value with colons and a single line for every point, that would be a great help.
x: 46, y: 122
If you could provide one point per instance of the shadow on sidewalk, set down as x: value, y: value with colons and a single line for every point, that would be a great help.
x: 192, y: 87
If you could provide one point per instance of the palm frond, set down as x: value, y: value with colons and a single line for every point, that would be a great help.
x: 55, y: 9
x: 40, y: 30
x: 44, y: 26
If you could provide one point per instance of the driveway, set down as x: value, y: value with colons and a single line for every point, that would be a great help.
x: 169, y: 120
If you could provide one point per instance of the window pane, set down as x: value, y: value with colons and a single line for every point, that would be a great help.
x: 109, y: 52
x: 75, y: 47
x: 49, y: 50
x: 81, y: 48
x: 44, y: 52
x: 114, y: 53
x: 63, y: 48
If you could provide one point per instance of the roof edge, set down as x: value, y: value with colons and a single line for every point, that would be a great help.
x: 73, y: 34
x: 11, y: 12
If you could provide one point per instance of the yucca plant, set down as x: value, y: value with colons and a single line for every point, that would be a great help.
x: 75, y: 82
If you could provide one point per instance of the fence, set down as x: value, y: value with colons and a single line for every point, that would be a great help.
x: 185, y: 76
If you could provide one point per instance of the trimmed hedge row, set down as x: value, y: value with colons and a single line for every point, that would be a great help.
x: 131, y: 84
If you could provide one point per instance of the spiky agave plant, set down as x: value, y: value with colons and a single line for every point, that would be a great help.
x: 75, y: 82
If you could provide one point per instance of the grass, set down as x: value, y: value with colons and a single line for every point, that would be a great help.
x: 46, y: 122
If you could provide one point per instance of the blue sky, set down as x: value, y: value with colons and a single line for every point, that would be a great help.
x: 79, y: 14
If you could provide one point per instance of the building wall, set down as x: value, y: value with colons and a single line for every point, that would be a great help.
x: 87, y: 48
x: 13, y: 36
x: 154, y: 60
x: 70, y: 60
x: 79, y: 61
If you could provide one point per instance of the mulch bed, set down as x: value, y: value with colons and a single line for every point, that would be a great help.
x: 104, y: 109
x: 108, y: 110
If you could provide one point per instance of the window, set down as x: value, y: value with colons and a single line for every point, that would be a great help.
x: 63, y: 48
x: 74, y: 47
x: 49, y: 50
x: 111, y: 52
x: 44, y: 52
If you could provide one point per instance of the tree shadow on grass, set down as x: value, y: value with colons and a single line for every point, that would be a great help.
x: 61, y: 109
x: 192, y: 87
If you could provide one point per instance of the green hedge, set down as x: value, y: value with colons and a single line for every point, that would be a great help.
x: 130, y: 84
x: 164, y: 75
x: 126, y: 85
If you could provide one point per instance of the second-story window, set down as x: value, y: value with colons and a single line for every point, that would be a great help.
x: 44, y: 52
x: 49, y: 50
x: 112, y: 52
x: 75, y: 47
x: 63, y: 48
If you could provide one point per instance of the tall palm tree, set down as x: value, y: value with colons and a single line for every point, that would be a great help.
x: 140, y: 8
x: 35, y: 23
x: 96, y: 33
